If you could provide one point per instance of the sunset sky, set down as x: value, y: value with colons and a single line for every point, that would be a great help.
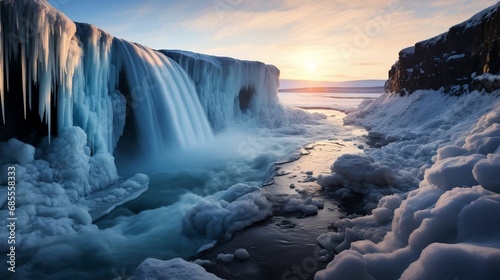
x: 328, y: 40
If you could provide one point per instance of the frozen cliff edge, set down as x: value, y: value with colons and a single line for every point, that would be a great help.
x: 72, y: 95
x: 57, y: 74
x: 455, y: 60
x: 229, y: 88
x: 433, y: 192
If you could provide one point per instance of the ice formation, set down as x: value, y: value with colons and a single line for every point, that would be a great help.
x: 78, y: 68
x: 60, y: 187
x: 231, y: 89
x: 226, y: 212
x: 96, y: 81
x: 40, y: 38
x: 90, y: 93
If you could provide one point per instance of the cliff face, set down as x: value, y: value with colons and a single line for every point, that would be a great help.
x: 465, y: 58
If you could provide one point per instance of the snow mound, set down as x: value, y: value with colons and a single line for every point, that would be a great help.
x: 453, y: 172
x: 15, y: 151
x: 366, y: 171
x: 179, y: 269
x: 486, y: 172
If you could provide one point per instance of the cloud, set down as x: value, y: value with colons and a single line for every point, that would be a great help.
x: 343, y: 38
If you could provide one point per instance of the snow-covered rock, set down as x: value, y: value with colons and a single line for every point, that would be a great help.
x: 459, y: 61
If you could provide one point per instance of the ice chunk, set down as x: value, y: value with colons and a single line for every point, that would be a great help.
x: 362, y: 169
x: 484, y: 142
x: 330, y: 180
x: 214, y: 218
x: 346, y: 265
x: 227, y: 258
x: 241, y: 254
x: 102, y: 202
x: 300, y: 205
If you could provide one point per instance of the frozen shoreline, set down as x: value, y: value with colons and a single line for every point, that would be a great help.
x: 296, y: 221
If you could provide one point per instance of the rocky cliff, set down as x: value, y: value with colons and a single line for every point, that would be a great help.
x: 465, y: 58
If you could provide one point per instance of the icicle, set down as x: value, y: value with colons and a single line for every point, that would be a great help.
x: 23, y: 70
x: 48, y: 56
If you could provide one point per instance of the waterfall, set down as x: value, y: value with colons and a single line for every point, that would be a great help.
x: 164, y: 101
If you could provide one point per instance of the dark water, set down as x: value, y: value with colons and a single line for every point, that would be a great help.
x: 284, y: 246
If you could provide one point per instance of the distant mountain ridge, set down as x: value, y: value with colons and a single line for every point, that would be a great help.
x: 378, y: 89
x: 301, y: 84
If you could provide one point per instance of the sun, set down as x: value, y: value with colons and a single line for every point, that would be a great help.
x: 311, y: 67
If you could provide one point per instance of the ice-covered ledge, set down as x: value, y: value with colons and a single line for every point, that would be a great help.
x: 229, y: 88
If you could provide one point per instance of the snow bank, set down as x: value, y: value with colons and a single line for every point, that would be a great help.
x: 447, y: 227
x: 179, y: 269
x: 423, y: 126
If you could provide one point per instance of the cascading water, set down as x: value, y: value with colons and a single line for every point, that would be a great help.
x: 96, y: 91
x: 165, y: 104
x: 75, y: 68
x: 232, y: 89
